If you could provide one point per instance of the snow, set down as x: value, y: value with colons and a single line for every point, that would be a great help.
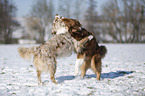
x: 123, y: 74
x: 26, y: 41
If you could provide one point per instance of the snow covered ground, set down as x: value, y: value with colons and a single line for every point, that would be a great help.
x: 123, y: 74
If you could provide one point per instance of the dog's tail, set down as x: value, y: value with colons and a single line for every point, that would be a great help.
x: 26, y: 53
x: 103, y: 51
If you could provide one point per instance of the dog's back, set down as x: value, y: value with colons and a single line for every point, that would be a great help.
x: 58, y: 46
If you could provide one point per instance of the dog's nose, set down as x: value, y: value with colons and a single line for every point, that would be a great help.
x: 53, y: 32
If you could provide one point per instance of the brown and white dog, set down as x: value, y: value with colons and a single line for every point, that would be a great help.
x: 45, y: 55
x: 89, y: 53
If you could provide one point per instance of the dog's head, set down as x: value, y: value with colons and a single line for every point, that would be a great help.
x: 75, y: 29
x: 71, y: 22
x: 59, y: 26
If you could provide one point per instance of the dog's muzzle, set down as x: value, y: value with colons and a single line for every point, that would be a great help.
x: 53, y: 32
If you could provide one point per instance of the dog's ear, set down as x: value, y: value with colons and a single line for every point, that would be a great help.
x: 76, y: 23
x: 56, y: 16
x: 61, y: 17
x: 71, y: 22
x: 67, y: 22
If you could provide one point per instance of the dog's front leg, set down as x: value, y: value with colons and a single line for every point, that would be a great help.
x: 39, y: 77
x: 79, y: 62
x: 81, y: 43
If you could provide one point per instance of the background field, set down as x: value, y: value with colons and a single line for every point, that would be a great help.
x: 123, y: 74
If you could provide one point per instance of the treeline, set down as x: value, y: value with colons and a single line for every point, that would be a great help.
x: 125, y: 20
x: 43, y: 11
x: 119, y: 21
x: 7, y: 11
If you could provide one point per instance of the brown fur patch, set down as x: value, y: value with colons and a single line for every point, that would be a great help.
x: 71, y: 22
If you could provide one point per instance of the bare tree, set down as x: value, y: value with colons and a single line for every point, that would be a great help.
x: 127, y: 18
x: 33, y: 27
x: 71, y: 8
x: 43, y: 11
x: 7, y: 11
x: 61, y: 9
x: 78, y: 4
x: 91, y: 17
x: 64, y: 7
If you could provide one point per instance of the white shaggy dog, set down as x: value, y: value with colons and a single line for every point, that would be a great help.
x: 45, y: 55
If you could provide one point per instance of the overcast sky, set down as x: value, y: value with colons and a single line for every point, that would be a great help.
x: 24, y: 6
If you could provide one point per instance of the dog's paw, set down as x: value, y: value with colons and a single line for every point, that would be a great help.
x: 40, y: 84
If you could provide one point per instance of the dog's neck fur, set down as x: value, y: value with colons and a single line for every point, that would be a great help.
x: 61, y: 30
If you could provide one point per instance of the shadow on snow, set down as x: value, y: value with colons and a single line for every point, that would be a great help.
x: 111, y: 74
x: 63, y: 78
x: 103, y: 76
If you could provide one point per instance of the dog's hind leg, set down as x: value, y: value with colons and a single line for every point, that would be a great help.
x: 52, y: 70
x: 39, y: 77
x: 84, y: 67
x: 52, y: 73
x: 96, y: 65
